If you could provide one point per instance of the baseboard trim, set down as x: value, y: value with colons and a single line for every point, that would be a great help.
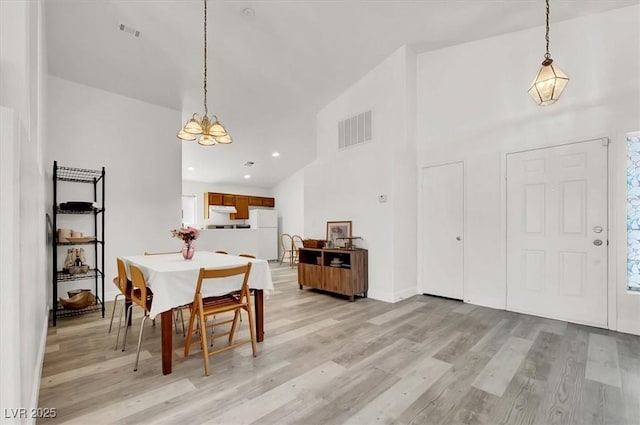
x: 37, y: 376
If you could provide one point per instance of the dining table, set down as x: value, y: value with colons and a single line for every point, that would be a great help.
x: 172, y: 279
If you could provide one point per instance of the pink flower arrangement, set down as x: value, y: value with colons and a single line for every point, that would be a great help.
x: 187, y: 234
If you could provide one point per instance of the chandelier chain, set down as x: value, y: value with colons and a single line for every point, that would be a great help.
x: 547, y: 55
x: 206, y: 110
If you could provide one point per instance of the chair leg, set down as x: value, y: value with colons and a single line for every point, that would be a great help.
x: 115, y: 301
x: 252, y: 331
x: 126, y: 325
x: 234, y: 326
x: 135, y: 368
x: 122, y: 313
x: 203, y: 342
x: 187, y: 343
x: 182, y: 318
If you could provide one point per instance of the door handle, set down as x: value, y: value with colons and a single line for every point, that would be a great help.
x: 458, y: 238
x: 597, y: 242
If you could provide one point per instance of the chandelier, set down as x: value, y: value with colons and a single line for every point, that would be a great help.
x: 207, y: 130
x: 550, y: 81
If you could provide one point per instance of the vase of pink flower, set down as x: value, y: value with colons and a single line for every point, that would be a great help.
x: 188, y: 235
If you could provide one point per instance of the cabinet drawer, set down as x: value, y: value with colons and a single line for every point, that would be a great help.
x: 337, y: 279
x: 310, y: 275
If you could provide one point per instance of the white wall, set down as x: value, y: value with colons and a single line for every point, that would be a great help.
x: 135, y: 142
x: 345, y: 185
x: 473, y: 106
x: 289, y: 194
x: 198, y: 189
x: 23, y: 306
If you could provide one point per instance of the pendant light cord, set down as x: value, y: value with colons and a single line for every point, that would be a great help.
x: 206, y: 110
x: 546, y: 55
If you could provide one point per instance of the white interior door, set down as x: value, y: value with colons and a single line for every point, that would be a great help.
x: 442, y: 230
x: 557, y: 232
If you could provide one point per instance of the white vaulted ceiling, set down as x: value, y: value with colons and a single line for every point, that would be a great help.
x: 269, y: 74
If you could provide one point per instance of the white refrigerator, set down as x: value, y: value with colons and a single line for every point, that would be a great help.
x: 266, y: 222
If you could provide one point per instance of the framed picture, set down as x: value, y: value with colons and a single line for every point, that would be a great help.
x: 336, y: 230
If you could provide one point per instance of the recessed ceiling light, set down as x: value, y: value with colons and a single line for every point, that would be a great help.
x: 275, y: 154
x: 247, y: 176
x: 190, y: 169
x: 248, y: 12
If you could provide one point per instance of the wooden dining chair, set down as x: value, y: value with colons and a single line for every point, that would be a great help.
x: 178, y: 310
x: 296, y: 244
x: 124, y: 287
x: 141, y: 296
x: 222, y: 252
x: 211, y: 306
x: 286, y: 246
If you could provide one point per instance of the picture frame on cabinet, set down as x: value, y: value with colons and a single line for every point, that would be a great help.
x: 336, y: 230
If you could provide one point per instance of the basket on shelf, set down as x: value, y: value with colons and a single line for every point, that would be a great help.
x: 313, y: 243
x: 78, y: 301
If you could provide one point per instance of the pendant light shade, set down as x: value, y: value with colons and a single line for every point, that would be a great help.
x: 208, y: 132
x: 550, y: 81
x: 548, y: 84
x: 207, y: 140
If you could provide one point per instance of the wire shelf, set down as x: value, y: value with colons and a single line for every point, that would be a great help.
x: 66, y: 277
x: 63, y: 312
x: 91, y: 211
x: 80, y: 175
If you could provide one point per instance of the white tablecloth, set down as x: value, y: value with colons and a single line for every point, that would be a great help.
x: 173, y: 280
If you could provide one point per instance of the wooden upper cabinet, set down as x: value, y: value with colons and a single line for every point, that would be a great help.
x: 229, y: 199
x: 215, y: 198
x: 242, y: 206
x: 255, y: 201
x: 268, y: 202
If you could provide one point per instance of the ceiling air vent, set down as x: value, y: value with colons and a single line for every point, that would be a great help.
x: 134, y: 32
x: 354, y: 130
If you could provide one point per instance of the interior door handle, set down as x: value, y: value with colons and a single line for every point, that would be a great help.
x: 458, y: 238
x: 597, y: 242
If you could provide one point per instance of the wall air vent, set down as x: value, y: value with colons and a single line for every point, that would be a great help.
x: 134, y: 32
x: 354, y: 130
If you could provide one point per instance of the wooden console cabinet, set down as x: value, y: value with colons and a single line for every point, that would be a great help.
x: 350, y: 278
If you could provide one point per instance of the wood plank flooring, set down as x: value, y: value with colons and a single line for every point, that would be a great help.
x: 324, y: 360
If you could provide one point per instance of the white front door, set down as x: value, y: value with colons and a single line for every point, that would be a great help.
x: 442, y: 226
x: 557, y: 232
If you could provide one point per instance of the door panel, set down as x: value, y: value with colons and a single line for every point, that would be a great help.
x: 442, y: 228
x: 556, y: 197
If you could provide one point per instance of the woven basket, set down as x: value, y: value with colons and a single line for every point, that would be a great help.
x: 78, y: 301
x: 313, y: 243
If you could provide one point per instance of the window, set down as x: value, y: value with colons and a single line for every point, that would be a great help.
x: 633, y: 212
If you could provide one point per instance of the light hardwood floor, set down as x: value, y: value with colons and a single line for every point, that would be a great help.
x: 325, y: 360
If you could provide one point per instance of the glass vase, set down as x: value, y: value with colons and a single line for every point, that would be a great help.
x: 187, y: 250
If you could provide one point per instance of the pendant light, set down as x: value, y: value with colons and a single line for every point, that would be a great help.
x: 550, y: 81
x: 207, y: 130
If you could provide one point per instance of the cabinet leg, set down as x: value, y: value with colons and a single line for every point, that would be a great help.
x: 300, y: 286
x: 352, y: 298
x: 365, y: 295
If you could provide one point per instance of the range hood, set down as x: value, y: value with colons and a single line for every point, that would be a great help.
x: 222, y: 209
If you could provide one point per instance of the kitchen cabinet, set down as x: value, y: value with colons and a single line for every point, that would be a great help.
x: 81, y: 211
x: 334, y: 270
x: 240, y: 202
x: 242, y: 207
x: 215, y: 198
